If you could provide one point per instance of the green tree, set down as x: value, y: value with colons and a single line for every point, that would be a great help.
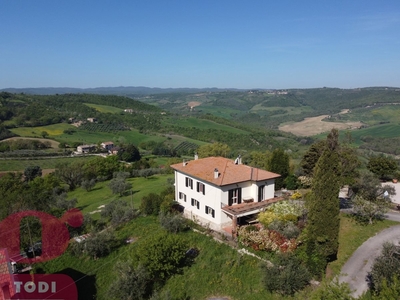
x: 279, y: 163
x: 150, y: 204
x: 259, y: 159
x: 119, y: 186
x: 215, y: 149
x: 44, y: 134
x: 162, y: 255
x: 31, y: 172
x: 286, y: 275
x: 118, y: 212
x: 100, y: 167
x: 370, y: 210
x: 332, y: 291
x: 386, y: 268
x: 129, y: 153
x: 88, y: 184
x: 131, y: 283
x: 70, y: 173
x: 369, y: 187
x: 383, y: 166
x: 322, y: 229
x: 311, y: 157
x: 349, y: 161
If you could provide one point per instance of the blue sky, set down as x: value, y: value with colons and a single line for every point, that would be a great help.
x: 218, y: 43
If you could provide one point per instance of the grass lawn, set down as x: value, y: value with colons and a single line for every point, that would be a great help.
x: 101, y: 194
x: 352, y: 235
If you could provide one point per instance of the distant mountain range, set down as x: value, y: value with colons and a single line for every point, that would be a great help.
x: 120, y: 90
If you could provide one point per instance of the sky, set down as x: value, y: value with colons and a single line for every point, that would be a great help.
x: 198, y: 44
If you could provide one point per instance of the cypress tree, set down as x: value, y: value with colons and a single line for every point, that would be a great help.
x: 323, y: 203
x: 279, y: 163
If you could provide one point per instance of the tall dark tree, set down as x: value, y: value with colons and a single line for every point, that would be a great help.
x: 279, y: 163
x: 311, y: 157
x: 129, y: 153
x: 348, y: 161
x: 323, y: 203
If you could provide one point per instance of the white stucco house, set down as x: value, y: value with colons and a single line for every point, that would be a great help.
x: 85, y: 148
x: 220, y: 193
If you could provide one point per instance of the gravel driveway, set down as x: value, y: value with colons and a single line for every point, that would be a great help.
x: 356, y: 269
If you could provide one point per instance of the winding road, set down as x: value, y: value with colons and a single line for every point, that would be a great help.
x: 355, y: 270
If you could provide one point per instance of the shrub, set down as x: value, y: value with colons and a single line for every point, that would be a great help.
x: 172, y: 222
x: 162, y: 255
x: 150, y: 204
x: 286, y: 276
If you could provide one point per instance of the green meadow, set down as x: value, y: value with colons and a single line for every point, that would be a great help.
x: 53, y: 130
x: 101, y: 194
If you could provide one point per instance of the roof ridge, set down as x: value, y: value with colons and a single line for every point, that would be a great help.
x: 223, y: 173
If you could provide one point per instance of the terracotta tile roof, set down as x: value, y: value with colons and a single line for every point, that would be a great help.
x: 229, y: 172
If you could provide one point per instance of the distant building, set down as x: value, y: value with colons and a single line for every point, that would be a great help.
x: 115, y: 150
x: 128, y: 110
x: 107, y: 145
x: 92, y: 120
x: 86, y: 148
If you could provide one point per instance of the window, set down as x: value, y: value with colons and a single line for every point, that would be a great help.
x: 261, y: 195
x: 196, y: 203
x: 182, y: 196
x: 235, y: 196
x: 189, y: 182
x: 201, y: 188
x: 210, y: 211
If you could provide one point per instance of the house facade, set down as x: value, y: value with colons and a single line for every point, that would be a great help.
x: 220, y: 193
x: 86, y: 148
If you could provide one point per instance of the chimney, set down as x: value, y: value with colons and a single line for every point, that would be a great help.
x: 196, y: 157
x: 216, y: 174
x: 184, y: 162
x: 238, y: 160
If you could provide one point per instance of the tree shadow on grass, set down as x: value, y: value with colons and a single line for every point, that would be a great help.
x: 85, y: 284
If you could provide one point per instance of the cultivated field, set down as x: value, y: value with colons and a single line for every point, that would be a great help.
x: 315, y: 125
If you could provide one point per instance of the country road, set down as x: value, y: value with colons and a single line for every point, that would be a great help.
x: 356, y: 269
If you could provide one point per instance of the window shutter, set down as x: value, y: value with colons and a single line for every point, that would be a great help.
x: 198, y: 205
x: 198, y: 186
x: 206, y: 209
x: 192, y: 201
x: 239, y: 200
x: 186, y: 181
x: 213, y: 213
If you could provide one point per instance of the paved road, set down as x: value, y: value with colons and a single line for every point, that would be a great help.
x: 356, y: 269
